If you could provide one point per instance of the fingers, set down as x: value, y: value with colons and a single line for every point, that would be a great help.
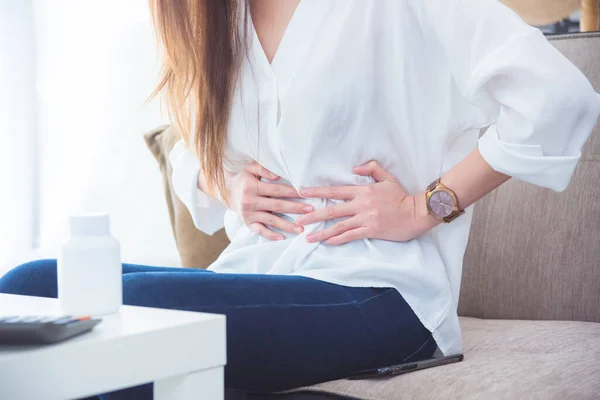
x: 348, y: 236
x: 334, y: 192
x: 264, y: 232
x: 276, y: 190
x: 258, y: 170
x: 264, y: 219
x: 372, y: 168
x: 325, y: 214
x: 283, y: 206
x: 274, y: 221
x: 335, y: 230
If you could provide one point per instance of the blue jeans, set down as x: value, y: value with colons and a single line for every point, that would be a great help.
x: 282, y: 331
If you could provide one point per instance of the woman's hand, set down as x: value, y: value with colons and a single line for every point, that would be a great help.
x: 382, y: 210
x: 251, y: 199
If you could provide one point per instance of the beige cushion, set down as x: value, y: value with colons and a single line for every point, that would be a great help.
x: 534, y: 253
x: 543, y: 12
x: 197, y: 249
x: 503, y: 360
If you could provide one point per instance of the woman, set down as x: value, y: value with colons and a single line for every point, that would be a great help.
x: 319, y: 126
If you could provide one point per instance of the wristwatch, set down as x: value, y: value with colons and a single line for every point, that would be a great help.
x: 441, y: 202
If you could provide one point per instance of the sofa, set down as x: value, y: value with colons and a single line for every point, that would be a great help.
x: 530, y: 295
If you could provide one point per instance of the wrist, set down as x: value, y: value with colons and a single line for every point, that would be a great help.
x: 422, y: 215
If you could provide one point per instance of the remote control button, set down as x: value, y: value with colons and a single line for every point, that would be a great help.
x: 12, y: 320
x: 48, y: 318
x: 64, y: 320
x: 30, y: 319
x: 84, y: 318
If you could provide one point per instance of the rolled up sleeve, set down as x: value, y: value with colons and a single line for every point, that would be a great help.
x: 542, y: 107
x: 207, y: 213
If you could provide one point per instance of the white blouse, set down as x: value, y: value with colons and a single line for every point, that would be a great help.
x: 411, y: 84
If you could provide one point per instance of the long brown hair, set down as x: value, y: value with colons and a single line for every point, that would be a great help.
x: 204, y: 45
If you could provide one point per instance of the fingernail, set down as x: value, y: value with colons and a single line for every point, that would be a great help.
x: 307, y: 209
x: 280, y: 237
x: 298, y: 229
x: 310, y: 238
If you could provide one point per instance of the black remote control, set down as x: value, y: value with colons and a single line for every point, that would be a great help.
x: 43, y: 330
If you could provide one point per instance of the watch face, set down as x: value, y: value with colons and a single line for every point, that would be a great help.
x: 441, y: 203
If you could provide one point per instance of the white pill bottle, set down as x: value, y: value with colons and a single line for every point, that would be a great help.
x: 89, y: 268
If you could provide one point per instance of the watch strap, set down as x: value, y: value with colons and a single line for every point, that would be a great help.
x: 453, y: 216
x: 434, y: 184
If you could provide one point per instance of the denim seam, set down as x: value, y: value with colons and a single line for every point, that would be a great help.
x: 374, y: 297
x: 293, y: 305
x: 419, y: 349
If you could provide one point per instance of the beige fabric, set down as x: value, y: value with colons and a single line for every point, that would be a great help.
x: 197, y: 249
x: 503, y: 360
x: 534, y: 253
x: 543, y: 12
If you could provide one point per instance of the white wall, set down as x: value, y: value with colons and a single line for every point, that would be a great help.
x: 17, y: 131
x: 97, y: 63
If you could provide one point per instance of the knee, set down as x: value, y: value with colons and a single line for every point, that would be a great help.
x: 36, y: 278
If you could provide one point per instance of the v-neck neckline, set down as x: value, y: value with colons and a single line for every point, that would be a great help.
x: 296, y: 42
x: 281, y: 40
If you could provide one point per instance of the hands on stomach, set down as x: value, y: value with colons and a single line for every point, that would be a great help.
x: 380, y: 210
x: 256, y: 202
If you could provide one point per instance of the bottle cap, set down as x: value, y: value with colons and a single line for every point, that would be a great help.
x: 89, y: 224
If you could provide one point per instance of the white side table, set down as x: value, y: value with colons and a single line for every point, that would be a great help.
x: 182, y: 352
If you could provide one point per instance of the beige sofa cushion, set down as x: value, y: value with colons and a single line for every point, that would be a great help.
x: 197, y: 249
x: 503, y: 360
x: 543, y: 12
x: 534, y: 253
